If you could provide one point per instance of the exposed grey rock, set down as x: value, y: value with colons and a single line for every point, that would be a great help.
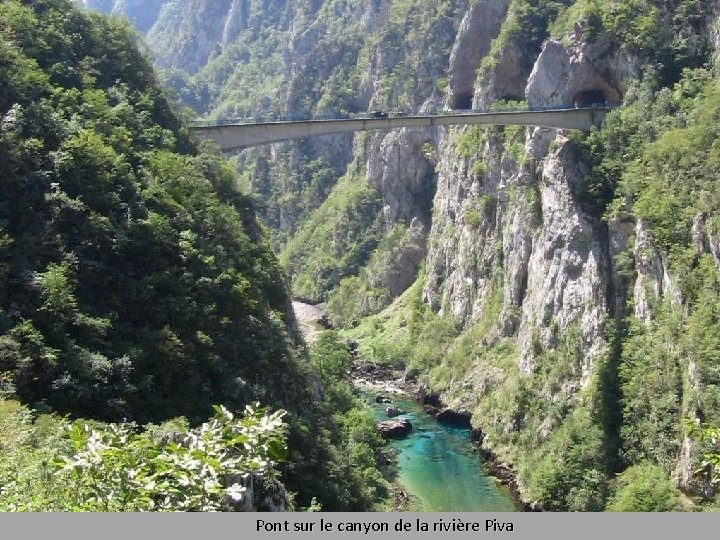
x: 705, y: 240
x: 460, y: 257
x: 568, y: 269
x: 534, y: 241
x: 480, y: 25
x: 402, y: 170
x: 653, y: 278
x: 394, y: 411
x: 563, y: 73
x: 394, y: 429
x: 506, y: 80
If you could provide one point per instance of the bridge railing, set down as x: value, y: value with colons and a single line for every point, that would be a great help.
x: 371, y: 116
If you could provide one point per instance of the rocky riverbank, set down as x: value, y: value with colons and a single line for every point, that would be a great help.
x: 383, y: 378
x: 386, y: 382
x: 501, y: 470
x: 507, y: 477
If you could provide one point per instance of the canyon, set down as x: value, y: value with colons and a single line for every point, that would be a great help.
x: 524, y: 275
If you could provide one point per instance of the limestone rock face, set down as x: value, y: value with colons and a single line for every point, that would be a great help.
x: 568, y: 268
x: 506, y: 80
x: 512, y: 238
x: 189, y: 34
x: 653, y: 278
x: 480, y: 25
x: 401, y: 168
x: 534, y: 245
x: 562, y: 75
x: 460, y: 258
x: 705, y: 240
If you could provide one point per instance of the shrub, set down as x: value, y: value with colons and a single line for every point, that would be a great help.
x: 116, y: 467
x: 644, y: 487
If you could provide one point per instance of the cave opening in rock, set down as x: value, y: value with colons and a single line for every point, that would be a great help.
x: 462, y: 101
x: 590, y: 98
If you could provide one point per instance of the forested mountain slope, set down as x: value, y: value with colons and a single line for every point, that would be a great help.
x: 565, y: 285
x: 135, y: 281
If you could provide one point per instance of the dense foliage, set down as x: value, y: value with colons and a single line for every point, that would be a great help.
x: 644, y: 487
x: 134, y: 281
x: 335, y: 241
x: 709, y: 437
x: 667, y: 34
x: 51, y: 464
x: 391, y: 265
x: 341, y: 459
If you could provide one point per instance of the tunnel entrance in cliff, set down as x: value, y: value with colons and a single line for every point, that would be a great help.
x: 590, y: 98
x: 462, y: 101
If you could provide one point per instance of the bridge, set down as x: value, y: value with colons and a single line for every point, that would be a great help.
x: 237, y: 134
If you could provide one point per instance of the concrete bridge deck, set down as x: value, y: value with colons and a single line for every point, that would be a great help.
x: 236, y: 135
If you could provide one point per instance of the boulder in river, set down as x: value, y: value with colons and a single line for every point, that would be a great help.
x: 393, y: 429
x: 383, y: 399
x: 394, y: 411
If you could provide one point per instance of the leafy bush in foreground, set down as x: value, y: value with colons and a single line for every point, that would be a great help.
x: 116, y: 467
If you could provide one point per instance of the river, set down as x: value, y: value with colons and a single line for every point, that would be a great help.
x: 438, y: 465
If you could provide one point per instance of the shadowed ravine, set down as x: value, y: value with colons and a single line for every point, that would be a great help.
x: 438, y: 466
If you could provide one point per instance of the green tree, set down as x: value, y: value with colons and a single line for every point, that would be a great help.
x: 644, y: 487
x: 331, y: 358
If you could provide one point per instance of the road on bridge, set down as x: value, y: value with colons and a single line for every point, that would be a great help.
x: 235, y: 135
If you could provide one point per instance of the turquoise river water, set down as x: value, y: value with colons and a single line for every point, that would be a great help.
x: 438, y: 465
